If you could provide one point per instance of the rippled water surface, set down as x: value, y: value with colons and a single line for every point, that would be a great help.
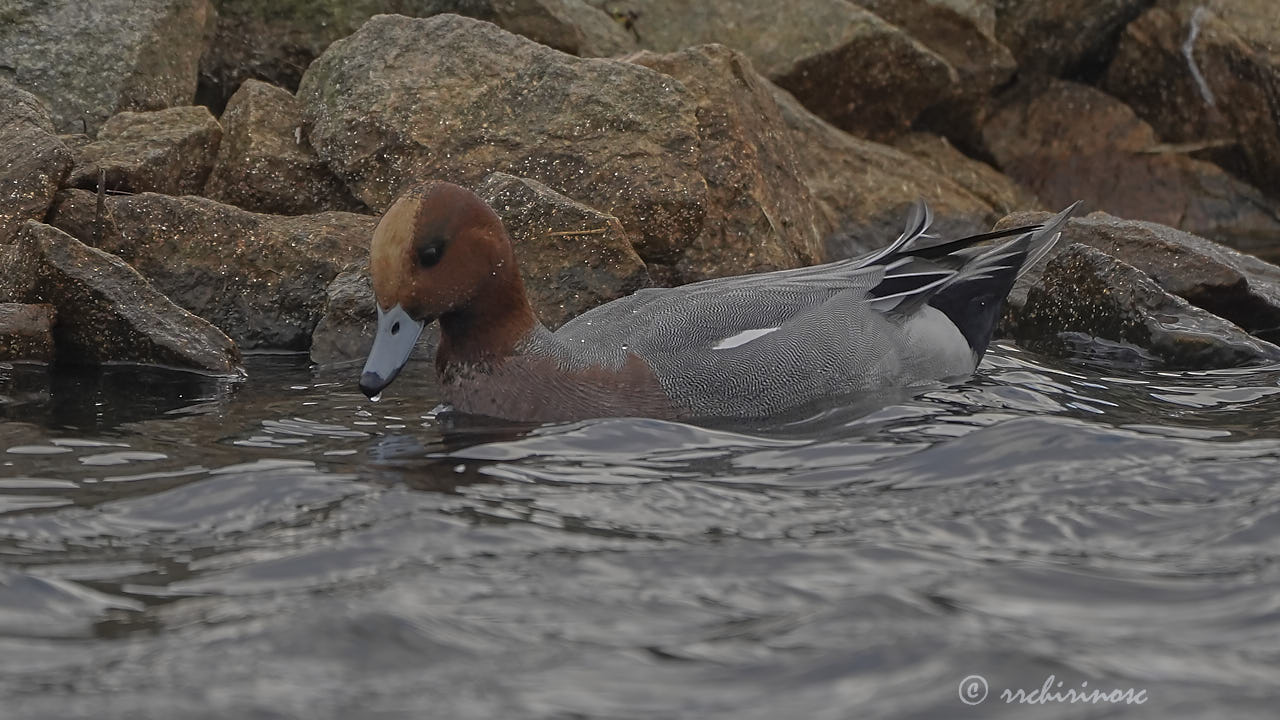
x: 174, y: 547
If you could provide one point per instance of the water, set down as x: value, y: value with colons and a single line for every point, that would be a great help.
x: 172, y: 546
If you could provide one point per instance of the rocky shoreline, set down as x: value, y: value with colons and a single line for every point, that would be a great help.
x: 186, y: 179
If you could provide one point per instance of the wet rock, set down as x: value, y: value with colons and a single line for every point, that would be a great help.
x: 963, y: 32
x: 89, y: 61
x: 1084, y: 290
x: 167, y: 151
x: 265, y: 162
x: 864, y: 190
x: 464, y: 98
x: 260, y: 278
x: 760, y: 215
x: 841, y: 61
x: 345, y: 332
x: 106, y: 311
x: 1239, y: 287
x: 26, y: 332
x: 1068, y: 142
x: 1063, y: 37
x: 571, y: 256
x: 994, y: 188
x: 33, y: 160
x: 276, y: 42
x: 1208, y: 77
x: 346, y: 327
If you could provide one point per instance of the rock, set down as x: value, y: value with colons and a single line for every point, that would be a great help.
x: 1068, y: 142
x: 1238, y: 287
x: 1063, y: 37
x: 276, y: 42
x: 1223, y: 96
x: 167, y: 151
x: 760, y: 215
x: 107, y: 312
x: 1084, y: 290
x: 864, y: 190
x: 26, y: 332
x: 346, y: 328
x: 572, y: 257
x: 571, y: 26
x: 842, y: 62
x: 89, y: 61
x: 994, y: 188
x: 260, y: 278
x: 962, y: 32
x: 345, y: 331
x: 266, y: 164
x: 33, y: 161
x: 464, y: 98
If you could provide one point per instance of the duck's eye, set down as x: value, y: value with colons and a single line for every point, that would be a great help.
x: 429, y: 254
x: 395, y: 328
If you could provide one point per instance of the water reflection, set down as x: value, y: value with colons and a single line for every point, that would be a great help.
x: 102, y: 398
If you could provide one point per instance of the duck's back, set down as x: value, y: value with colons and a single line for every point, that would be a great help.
x: 919, y: 310
x: 757, y: 345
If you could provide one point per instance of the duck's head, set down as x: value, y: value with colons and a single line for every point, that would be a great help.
x: 440, y: 252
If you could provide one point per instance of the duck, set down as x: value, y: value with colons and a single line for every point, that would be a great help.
x: 920, y: 310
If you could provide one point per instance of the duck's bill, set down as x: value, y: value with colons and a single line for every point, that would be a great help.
x: 397, y: 334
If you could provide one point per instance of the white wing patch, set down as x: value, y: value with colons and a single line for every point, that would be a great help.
x: 742, y: 338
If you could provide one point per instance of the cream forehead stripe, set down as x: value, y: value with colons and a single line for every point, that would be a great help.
x: 396, y: 226
x: 391, y: 239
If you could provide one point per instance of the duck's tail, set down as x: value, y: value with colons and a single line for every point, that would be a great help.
x: 967, y: 282
x: 974, y: 299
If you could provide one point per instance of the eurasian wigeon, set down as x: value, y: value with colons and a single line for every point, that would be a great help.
x: 919, y: 310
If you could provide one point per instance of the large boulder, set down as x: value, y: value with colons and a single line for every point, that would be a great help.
x: 26, y: 332
x: 1068, y: 142
x: 106, y: 311
x: 844, y: 63
x: 695, y: 164
x: 167, y: 151
x: 1208, y: 76
x: 1062, y: 37
x: 1084, y: 291
x: 277, y: 41
x: 33, y: 161
x: 864, y: 190
x: 90, y: 60
x: 403, y: 100
x: 760, y: 215
x: 260, y: 278
x: 265, y: 163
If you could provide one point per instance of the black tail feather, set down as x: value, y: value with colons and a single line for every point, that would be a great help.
x: 975, y: 298
x: 974, y: 305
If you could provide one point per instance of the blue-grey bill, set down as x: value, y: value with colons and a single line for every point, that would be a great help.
x: 397, y: 334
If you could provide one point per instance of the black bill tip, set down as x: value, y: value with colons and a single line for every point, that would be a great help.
x: 372, y: 384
